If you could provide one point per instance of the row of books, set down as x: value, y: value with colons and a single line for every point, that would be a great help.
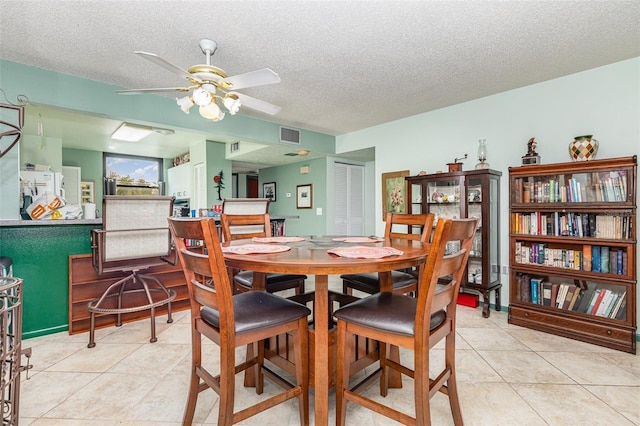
x: 592, y: 258
x: 588, y: 187
x: 600, y: 302
x: 277, y: 228
x: 573, y: 224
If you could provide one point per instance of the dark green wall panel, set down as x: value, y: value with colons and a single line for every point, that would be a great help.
x: 40, y: 257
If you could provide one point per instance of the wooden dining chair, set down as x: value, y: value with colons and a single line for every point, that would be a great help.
x: 246, y: 226
x: 403, y: 281
x: 413, y: 323
x: 236, y: 320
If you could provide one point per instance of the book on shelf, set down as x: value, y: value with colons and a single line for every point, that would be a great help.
x: 587, y: 296
x: 571, y: 288
x: 525, y: 288
x: 576, y: 297
x: 586, y: 257
x: 595, y: 259
x: 546, y: 293
x: 618, y: 305
x: 562, y: 293
x: 597, y: 299
x: 604, y: 259
x: 554, y: 294
x: 604, y: 302
x: 535, y: 292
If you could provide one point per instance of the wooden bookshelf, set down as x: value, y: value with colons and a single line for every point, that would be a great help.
x: 572, y: 250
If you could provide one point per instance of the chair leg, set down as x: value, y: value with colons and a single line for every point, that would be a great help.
x: 421, y: 383
x: 452, y: 384
x: 342, y: 371
x: 384, y: 378
x: 260, y: 363
x: 194, y: 383
x: 92, y: 331
x: 301, y: 355
x: 227, y: 384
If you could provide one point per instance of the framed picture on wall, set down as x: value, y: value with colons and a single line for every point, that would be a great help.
x: 269, y: 190
x: 394, y: 193
x: 303, y: 196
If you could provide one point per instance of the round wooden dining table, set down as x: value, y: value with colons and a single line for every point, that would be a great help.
x: 311, y: 257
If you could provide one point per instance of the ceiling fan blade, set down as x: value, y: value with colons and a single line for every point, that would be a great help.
x: 257, y: 104
x: 158, y: 90
x: 251, y: 79
x: 152, y: 57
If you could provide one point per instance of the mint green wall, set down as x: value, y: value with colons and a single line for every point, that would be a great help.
x: 603, y: 101
x: 91, y: 163
x: 286, y: 179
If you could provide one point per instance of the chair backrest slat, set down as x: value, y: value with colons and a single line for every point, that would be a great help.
x: 241, y: 226
x: 407, y: 221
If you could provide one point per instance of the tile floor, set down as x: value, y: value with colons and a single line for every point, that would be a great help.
x: 507, y: 375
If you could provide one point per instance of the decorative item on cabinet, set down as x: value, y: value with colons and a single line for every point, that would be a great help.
x: 583, y: 148
x: 456, y: 166
x: 482, y: 155
x: 572, y: 250
x: 531, y: 157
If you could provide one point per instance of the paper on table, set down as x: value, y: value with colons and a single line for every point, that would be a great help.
x: 255, y: 249
x: 277, y: 239
x: 358, y: 239
x: 362, y: 252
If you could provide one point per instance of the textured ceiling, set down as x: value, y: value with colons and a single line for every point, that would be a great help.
x: 344, y: 65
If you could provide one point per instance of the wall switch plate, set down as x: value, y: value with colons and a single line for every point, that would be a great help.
x: 319, y: 211
x: 288, y: 195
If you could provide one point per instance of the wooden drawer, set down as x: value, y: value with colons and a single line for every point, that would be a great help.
x: 597, y: 331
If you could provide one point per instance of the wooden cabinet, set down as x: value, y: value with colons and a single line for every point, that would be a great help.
x: 464, y: 194
x: 572, y: 250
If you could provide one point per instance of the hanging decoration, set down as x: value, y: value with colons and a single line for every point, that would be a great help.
x: 218, y: 179
x: 11, y: 132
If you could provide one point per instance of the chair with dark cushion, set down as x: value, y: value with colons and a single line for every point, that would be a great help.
x: 416, y: 324
x: 245, y: 226
x: 232, y: 321
x: 403, y: 281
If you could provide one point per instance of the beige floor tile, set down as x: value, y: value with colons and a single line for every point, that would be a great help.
x: 490, y: 338
x: 590, y: 369
x: 569, y: 404
x: 155, y: 359
x: 98, y: 359
x: 108, y: 397
x: 495, y: 404
x: 623, y: 399
x: 45, y: 390
x: 524, y: 367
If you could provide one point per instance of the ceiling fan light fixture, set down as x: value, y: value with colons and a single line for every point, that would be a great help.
x: 232, y: 103
x: 210, y: 112
x: 202, y: 97
x: 131, y: 132
x: 185, y: 103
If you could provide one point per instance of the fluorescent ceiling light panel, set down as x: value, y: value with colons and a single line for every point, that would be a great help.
x: 131, y: 132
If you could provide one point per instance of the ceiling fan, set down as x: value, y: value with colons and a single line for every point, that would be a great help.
x: 210, y: 88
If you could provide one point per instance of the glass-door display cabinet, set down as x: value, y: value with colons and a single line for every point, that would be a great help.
x: 463, y: 194
x: 572, y: 250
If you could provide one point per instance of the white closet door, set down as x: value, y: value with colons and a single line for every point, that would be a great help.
x: 349, y: 199
x: 199, y: 200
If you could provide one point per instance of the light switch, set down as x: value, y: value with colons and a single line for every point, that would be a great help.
x: 319, y: 211
x: 288, y: 195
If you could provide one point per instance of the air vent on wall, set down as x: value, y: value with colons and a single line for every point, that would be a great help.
x: 289, y: 135
x: 235, y: 146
